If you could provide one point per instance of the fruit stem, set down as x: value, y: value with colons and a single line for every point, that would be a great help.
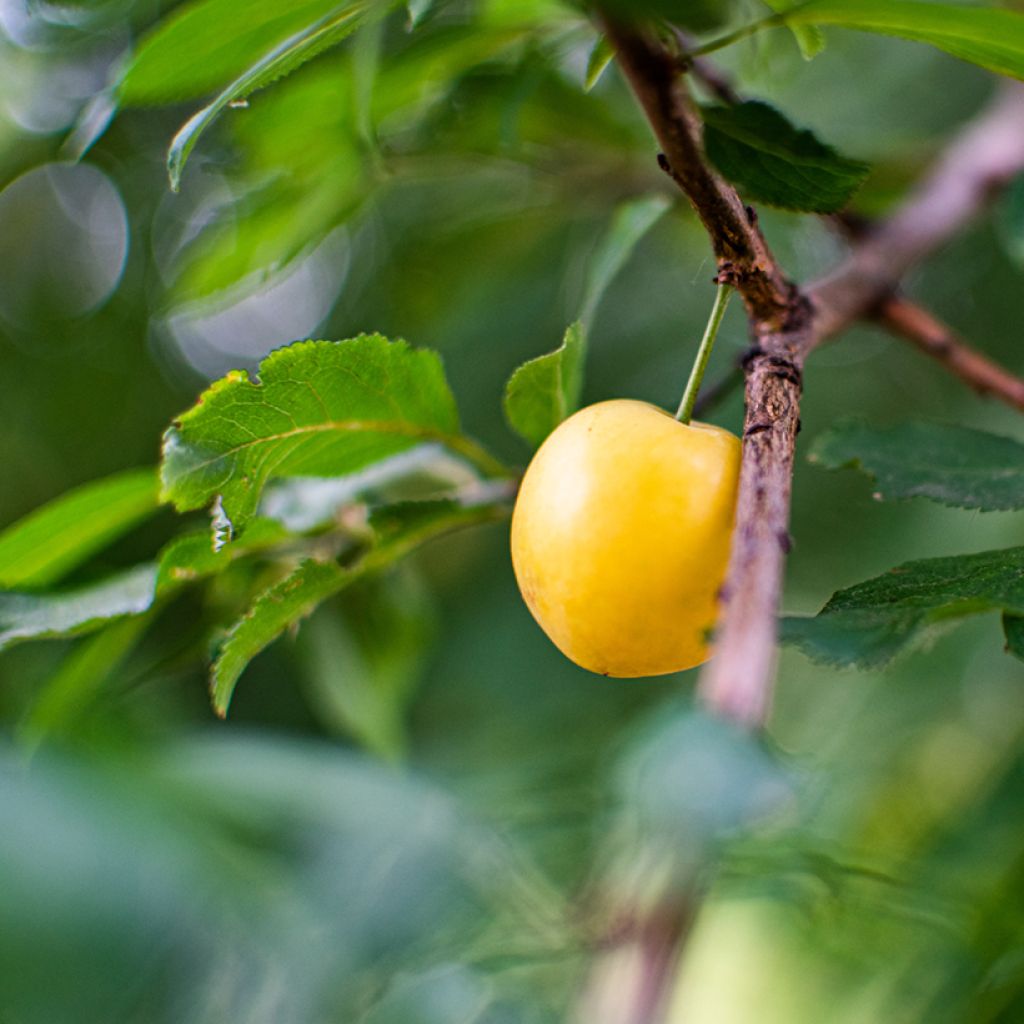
x: 700, y: 364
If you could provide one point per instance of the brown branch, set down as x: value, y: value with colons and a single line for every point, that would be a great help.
x: 903, y: 317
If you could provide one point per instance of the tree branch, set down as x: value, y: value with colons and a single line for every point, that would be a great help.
x: 903, y: 317
x: 787, y: 324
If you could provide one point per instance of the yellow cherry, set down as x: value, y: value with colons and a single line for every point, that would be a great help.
x: 621, y: 535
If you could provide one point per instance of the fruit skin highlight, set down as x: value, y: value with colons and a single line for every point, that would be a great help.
x: 621, y: 536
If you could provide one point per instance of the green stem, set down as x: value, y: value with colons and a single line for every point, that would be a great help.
x: 772, y: 21
x: 700, y: 364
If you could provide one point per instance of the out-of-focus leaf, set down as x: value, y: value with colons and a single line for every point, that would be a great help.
x: 1010, y: 221
x: 191, y: 556
x: 320, y: 408
x: 203, y: 45
x: 418, y: 10
x: 440, y: 996
x: 771, y: 161
x: 1013, y: 630
x: 696, y: 15
x: 949, y: 464
x: 544, y: 391
x: 399, y: 530
x: 809, y: 38
x: 630, y: 222
x: 600, y: 57
x: 990, y: 37
x: 309, y: 42
x: 80, y: 678
x: 362, y: 655
x: 868, y: 624
x: 541, y: 393
x: 69, y: 612
x: 53, y: 540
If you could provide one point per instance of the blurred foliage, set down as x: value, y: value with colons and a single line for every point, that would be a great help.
x: 418, y: 811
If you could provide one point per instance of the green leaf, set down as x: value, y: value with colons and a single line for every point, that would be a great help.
x: 771, y: 161
x: 205, y: 44
x: 342, y: 20
x: 418, y: 10
x: 400, y: 529
x: 990, y: 37
x: 600, y: 57
x: 320, y: 408
x: 192, y: 557
x: 541, y: 393
x: 1013, y: 630
x: 362, y: 660
x: 809, y: 38
x: 630, y: 222
x: 81, y: 677
x: 544, y: 391
x: 868, y: 624
x: 952, y: 465
x: 51, y: 541
x: 1010, y: 221
x: 70, y: 612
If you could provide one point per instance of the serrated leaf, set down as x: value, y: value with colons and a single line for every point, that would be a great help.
x: 70, y: 612
x: 990, y: 37
x: 205, y: 44
x: 1013, y: 630
x: 399, y: 530
x: 319, y: 408
x: 282, y: 60
x: 771, y: 161
x: 54, y: 539
x: 601, y: 55
x: 952, y: 465
x: 541, y: 393
x: 870, y: 623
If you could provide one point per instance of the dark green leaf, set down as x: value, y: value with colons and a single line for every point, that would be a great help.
x: 771, y: 161
x: 69, y: 612
x: 1010, y: 221
x: 868, y: 624
x: 399, y: 529
x: 320, y: 408
x: 53, y: 540
x: 542, y: 392
x: 80, y: 679
x: 1013, y: 630
x: 340, y: 22
x: 990, y: 37
x: 952, y: 465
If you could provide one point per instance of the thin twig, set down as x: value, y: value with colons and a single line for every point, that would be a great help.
x: 907, y: 319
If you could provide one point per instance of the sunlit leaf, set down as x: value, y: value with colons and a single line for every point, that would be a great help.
x: 771, y: 161
x: 988, y: 36
x: 949, y: 464
x: 868, y: 624
x: 319, y: 408
x: 62, y: 534
x: 342, y: 20
x: 809, y: 38
x: 203, y: 45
